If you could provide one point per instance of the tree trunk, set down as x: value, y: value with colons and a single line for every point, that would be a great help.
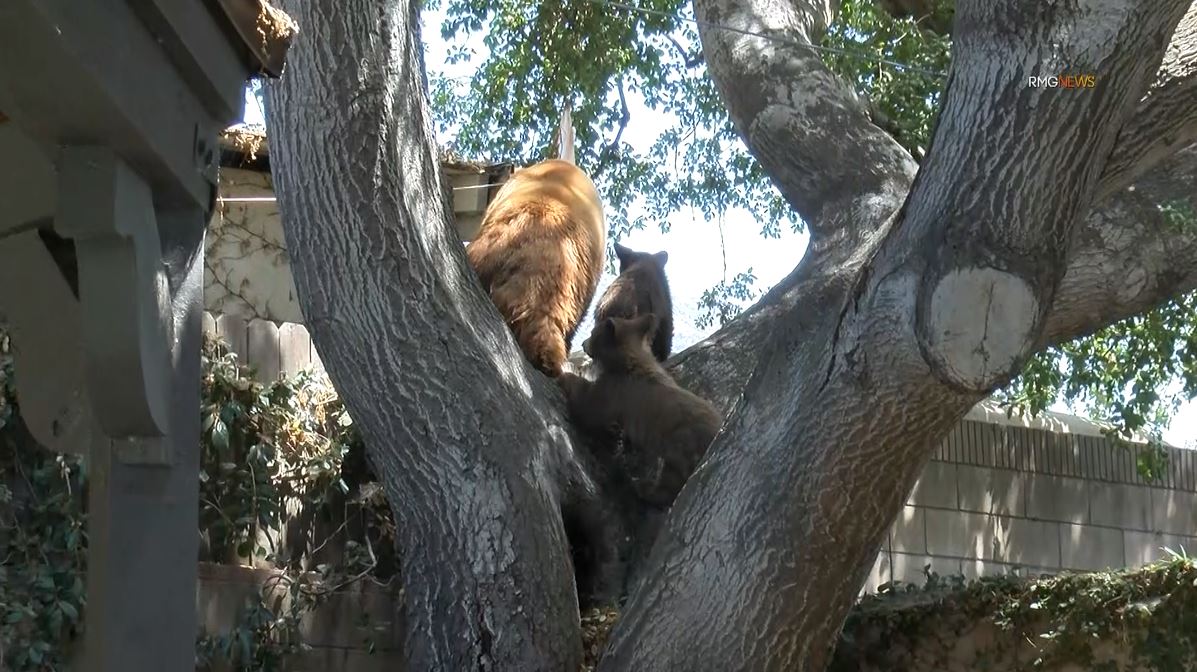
x: 906, y: 318
x: 916, y: 298
x: 469, y: 442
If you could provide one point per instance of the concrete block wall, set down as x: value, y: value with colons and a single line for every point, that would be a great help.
x: 1001, y: 496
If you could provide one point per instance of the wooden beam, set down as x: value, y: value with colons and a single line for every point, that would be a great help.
x: 43, y: 322
x: 197, y: 45
x: 142, y: 520
x: 109, y: 212
x: 28, y: 185
x: 71, y: 84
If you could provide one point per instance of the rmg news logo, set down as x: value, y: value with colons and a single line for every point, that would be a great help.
x: 1062, y: 81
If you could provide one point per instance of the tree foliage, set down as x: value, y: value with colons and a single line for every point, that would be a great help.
x: 592, y: 54
x: 43, y: 540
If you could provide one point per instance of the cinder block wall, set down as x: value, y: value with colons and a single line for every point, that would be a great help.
x: 999, y: 495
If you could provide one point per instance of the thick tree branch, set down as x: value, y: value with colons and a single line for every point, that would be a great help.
x: 995, y: 204
x: 1166, y: 119
x: 1135, y: 250
x: 403, y: 328
x: 887, y: 346
x: 810, y: 131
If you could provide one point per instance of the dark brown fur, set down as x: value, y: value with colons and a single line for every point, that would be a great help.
x: 665, y: 430
x: 641, y: 289
x: 539, y: 254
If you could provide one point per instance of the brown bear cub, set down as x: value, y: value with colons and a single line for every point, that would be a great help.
x: 539, y: 254
x: 664, y: 429
x: 641, y: 289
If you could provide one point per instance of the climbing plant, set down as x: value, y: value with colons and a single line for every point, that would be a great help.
x: 273, y: 455
x: 268, y: 454
x: 42, y: 540
x: 1141, y: 619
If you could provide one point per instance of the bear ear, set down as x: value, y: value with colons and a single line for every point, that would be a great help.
x: 626, y: 256
x: 662, y: 257
x: 646, y: 324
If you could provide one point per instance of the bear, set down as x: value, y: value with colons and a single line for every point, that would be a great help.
x: 660, y: 430
x: 539, y: 254
x: 640, y: 288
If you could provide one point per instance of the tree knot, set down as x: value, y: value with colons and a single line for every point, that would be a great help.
x: 976, y: 326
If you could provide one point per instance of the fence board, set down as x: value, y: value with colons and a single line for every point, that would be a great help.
x: 263, y: 352
x: 294, y: 347
x: 232, y: 329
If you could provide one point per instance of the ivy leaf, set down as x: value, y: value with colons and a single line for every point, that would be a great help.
x: 220, y: 435
x: 69, y: 610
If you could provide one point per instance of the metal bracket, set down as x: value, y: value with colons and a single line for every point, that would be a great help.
x: 108, y: 210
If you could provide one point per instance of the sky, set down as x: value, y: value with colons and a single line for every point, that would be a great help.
x: 702, y: 252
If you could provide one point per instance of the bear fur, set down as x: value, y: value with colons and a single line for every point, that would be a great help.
x: 660, y: 431
x: 641, y: 289
x: 539, y: 254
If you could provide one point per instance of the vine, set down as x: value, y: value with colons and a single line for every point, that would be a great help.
x: 1142, y: 619
x: 43, y: 540
x: 271, y: 451
x: 276, y: 461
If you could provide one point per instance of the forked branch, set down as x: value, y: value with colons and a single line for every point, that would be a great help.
x: 810, y: 131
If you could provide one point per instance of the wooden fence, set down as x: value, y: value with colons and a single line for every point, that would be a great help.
x: 274, y: 350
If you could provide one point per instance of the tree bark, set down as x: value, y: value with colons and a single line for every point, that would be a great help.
x: 1127, y: 256
x: 891, y: 341
x: 1165, y: 121
x: 915, y: 299
x: 471, y: 444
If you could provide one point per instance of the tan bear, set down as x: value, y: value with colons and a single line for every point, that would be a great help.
x: 539, y: 254
x: 664, y: 430
x: 640, y: 289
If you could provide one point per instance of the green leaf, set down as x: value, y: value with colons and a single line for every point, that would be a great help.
x: 220, y: 435
x: 69, y: 610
